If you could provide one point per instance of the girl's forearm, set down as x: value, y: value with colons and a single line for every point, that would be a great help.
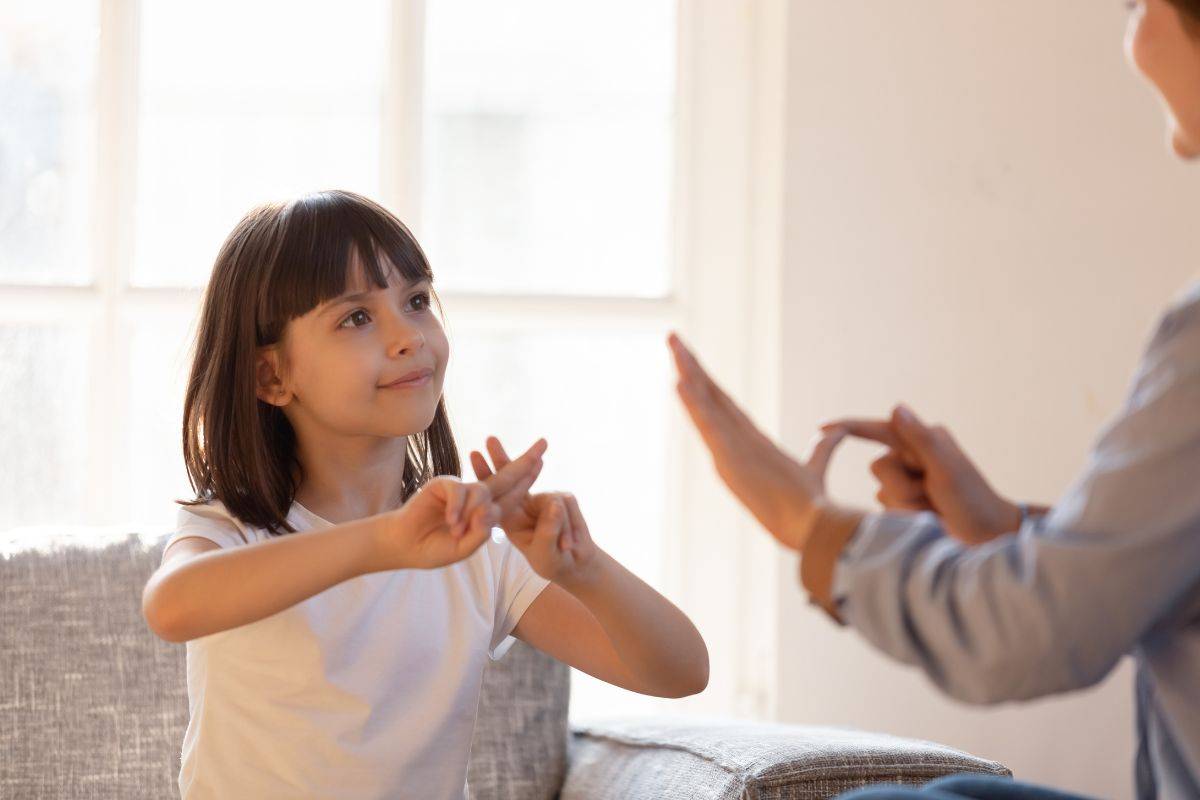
x: 655, y: 640
x: 227, y: 588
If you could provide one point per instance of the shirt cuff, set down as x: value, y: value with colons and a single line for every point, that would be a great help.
x: 833, y: 528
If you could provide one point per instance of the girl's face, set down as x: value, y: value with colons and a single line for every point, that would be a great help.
x: 341, y: 356
x: 1167, y: 53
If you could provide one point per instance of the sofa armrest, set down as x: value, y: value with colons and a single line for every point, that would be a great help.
x: 712, y: 758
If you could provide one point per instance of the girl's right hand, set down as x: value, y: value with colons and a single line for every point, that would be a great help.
x: 447, y: 520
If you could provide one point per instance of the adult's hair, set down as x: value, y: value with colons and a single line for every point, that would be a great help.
x: 1189, y: 11
x: 281, y: 261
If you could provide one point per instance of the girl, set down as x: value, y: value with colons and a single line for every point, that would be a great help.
x: 335, y: 582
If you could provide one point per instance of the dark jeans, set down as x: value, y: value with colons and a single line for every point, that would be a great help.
x: 962, y: 787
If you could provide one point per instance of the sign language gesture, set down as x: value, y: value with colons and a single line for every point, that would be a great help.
x: 925, y: 469
x: 783, y: 493
x: 447, y: 519
x: 548, y: 529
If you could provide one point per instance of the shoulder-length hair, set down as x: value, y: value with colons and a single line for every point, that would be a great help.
x: 281, y: 261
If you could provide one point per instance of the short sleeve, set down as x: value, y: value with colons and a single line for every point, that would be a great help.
x: 517, y: 585
x: 211, y: 522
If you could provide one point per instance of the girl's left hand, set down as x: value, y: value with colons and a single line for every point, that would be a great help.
x: 547, y: 528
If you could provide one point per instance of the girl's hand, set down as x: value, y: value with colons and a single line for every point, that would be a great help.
x: 925, y: 470
x: 548, y: 528
x: 447, y: 520
x: 783, y: 493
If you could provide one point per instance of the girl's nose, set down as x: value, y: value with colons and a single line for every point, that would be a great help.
x: 404, y: 337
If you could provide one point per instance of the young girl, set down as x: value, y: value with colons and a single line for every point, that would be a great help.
x: 335, y: 582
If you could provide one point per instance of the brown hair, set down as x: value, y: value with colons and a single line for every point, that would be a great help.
x: 281, y: 261
x: 1189, y: 13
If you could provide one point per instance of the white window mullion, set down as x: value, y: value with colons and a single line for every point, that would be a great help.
x: 112, y: 227
x: 400, y: 142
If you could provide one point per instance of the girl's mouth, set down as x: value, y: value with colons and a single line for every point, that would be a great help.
x: 411, y: 380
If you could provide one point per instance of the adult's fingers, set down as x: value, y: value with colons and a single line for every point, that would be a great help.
x: 875, y: 430
x: 898, y: 486
x: 914, y: 434
x: 822, y: 452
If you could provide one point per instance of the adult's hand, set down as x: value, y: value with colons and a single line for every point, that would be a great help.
x: 924, y: 469
x: 786, y: 495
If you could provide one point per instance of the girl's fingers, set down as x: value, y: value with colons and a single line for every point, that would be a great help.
x: 480, y: 465
x: 579, y: 527
x: 477, y: 496
x: 475, y: 536
x: 508, y: 475
x: 551, y: 518
x: 496, y: 451
x: 456, y: 497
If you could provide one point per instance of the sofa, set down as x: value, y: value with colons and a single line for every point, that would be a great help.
x: 93, y: 705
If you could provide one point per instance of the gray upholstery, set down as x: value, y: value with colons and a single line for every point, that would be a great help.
x: 728, y: 760
x: 92, y: 705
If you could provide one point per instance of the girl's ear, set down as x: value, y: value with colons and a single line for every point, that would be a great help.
x: 268, y: 385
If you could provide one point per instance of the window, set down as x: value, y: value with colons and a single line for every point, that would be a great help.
x: 540, y: 151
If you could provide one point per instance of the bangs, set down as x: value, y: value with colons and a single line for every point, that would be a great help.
x: 318, y: 238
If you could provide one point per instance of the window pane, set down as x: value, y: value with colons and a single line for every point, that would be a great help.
x: 44, y: 389
x: 158, y: 363
x: 47, y: 139
x: 273, y: 116
x: 600, y: 397
x: 548, y: 146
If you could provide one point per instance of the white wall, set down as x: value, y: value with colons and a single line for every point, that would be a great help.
x: 980, y: 219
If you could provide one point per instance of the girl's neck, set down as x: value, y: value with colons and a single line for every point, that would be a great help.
x: 348, y: 483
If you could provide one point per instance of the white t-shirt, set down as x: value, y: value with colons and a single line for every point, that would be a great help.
x: 366, y: 690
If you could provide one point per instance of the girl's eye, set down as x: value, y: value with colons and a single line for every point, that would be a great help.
x: 356, y: 313
x: 421, y: 301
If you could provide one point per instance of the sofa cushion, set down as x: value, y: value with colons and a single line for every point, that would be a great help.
x: 93, y: 705
x: 705, y: 758
x: 520, y: 745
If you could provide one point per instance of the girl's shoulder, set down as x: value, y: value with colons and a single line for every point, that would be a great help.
x: 213, y: 521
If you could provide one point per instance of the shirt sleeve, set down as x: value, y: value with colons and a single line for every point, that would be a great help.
x: 517, y: 585
x: 1055, y: 605
x: 209, y: 522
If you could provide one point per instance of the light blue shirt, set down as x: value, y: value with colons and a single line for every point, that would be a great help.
x: 1113, y: 569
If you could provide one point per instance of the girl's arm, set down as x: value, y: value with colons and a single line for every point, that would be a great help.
x: 200, y: 590
x: 613, y: 626
x: 596, y: 615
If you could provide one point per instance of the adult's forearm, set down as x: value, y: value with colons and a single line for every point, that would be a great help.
x: 228, y: 588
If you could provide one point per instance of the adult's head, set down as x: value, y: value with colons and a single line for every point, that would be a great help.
x: 1163, y: 43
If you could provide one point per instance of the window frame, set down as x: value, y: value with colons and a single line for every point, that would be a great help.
x: 727, y: 210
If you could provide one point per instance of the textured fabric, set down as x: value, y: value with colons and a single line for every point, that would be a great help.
x: 1114, y: 568
x: 726, y: 760
x: 93, y: 706
x: 963, y: 787
x: 520, y: 746
x: 368, y: 689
